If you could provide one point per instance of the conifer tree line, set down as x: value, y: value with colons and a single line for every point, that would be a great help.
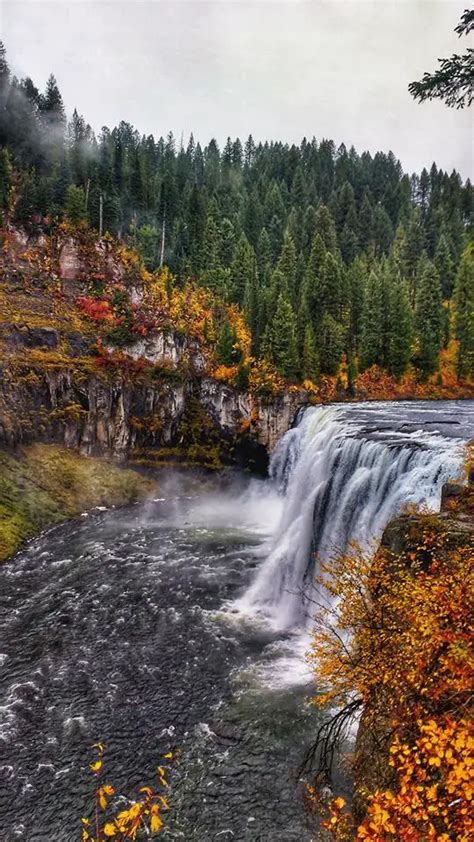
x: 332, y: 255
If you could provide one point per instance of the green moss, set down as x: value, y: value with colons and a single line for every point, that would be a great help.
x: 46, y: 484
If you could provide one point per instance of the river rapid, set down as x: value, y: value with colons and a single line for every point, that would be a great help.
x: 181, y: 624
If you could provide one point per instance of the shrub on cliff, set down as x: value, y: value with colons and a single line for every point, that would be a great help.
x: 395, y: 640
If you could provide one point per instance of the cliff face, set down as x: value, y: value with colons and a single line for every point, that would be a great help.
x: 121, y: 415
x: 150, y: 397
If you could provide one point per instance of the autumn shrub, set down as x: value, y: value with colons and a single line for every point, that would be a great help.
x: 394, y: 638
x: 99, y: 310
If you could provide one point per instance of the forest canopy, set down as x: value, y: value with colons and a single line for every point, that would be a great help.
x: 334, y: 256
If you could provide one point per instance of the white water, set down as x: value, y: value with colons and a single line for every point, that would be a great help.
x: 344, y: 472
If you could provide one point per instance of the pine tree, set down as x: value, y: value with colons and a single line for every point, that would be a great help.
x: 27, y: 204
x: 280, y: 339
x: 287, y: 264
x: 348, y: 240
x: 253, y: 218
x: 211, y: 246
x: 372, y: 321
x: 298, y: 189
x: 5, y: 178
x: 310, y: 356
x: 366, y: 223
x: 401, y: 329
x: 331, y: 344
x: 242, y: 269
x: 332, y: 289
x: 4, y: 94
x: 412, y: 251
x: 345, y: 207
x: 227, y: 242
x: 264, y: 254
x: 464, y: 309
x: 226, y: 351
x: 355, y: 277
x: 53, y: 119
x: 148, y: 244
x: 308, y: 229
x: 382, y: 231
x: 250, y: 303
x: 75, y: 204
x: 196, y: 226
x: 314, y: 279
x: 429, y: 318
x: 445, y: 266
x: 326, y: 228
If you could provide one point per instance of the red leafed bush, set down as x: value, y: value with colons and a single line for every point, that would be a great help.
x: 99, y: 310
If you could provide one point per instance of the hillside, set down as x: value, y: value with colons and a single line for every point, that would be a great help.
x: 343, y: 265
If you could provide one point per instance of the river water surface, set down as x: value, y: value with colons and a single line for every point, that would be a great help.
x: 173, y: 625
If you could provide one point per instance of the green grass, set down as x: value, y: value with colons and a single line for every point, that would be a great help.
x: 46, y: 484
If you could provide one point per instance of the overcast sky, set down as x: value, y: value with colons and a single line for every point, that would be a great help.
x: 279, y: 70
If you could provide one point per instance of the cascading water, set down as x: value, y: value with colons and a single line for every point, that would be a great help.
x: 345, y: 471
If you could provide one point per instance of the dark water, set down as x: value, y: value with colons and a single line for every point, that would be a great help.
x: 111, y: 630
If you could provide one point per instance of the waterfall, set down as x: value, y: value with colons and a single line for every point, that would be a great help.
x: 344, y: 472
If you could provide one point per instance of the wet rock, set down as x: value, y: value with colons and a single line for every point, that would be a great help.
x: 451, y: 491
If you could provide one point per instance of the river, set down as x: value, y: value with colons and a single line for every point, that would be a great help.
x: 181, y: 624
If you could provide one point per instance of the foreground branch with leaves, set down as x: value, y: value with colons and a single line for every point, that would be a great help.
x: 142, y: 814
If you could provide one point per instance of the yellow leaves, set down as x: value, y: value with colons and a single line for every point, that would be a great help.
x: 147, y: 790
x: 103, y: 792
x: 168, y: 755
x: 155, y: 823
x: 96, y: 766
x: 143, y: 812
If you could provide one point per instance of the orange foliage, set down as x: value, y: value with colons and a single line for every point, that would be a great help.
x: 264, y: 380
x: 99, y: 310
x: 397, y: 635
x: 377, y: 384
x: 225, y: 373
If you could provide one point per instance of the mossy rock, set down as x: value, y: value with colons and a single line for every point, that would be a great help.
x: 46, y: 484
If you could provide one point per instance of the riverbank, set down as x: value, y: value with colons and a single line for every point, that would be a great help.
x: 45, y: 484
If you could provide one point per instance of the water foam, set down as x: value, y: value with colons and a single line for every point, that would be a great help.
x: 341, y: 481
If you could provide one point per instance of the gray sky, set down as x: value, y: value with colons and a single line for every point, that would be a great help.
x: 279, y: 70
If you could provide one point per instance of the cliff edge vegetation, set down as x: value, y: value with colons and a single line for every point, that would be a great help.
x: 395, y: 649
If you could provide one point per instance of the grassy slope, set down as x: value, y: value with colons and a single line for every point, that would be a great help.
x: 47, y: 484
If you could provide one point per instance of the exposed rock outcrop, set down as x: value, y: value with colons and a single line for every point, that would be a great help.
x: 102, y: 416
x: 130, y: 382
x: 166, y: 348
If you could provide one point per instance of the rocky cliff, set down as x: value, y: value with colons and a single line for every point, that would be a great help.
x: 94, y: 354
